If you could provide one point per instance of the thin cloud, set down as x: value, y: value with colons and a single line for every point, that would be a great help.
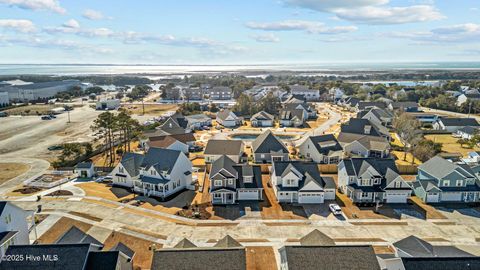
x: 93, y: 15
x: 459, y: 33
x: 294, y: 25
x: 49, y: 5
x: 24, y: 26
x: 267, y: 38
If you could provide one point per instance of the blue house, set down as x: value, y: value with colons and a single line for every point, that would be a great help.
x: 440, y: 180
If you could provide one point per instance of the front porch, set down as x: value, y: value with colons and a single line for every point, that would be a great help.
x: 359, y: 196
x: 148, y: 190
x: 223, y: 197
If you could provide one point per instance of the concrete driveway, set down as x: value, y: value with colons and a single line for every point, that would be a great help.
x: 321, y: 211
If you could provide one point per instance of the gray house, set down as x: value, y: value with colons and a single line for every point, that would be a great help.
x: 454, y: 124
x: 322, y: 149
x: 268, y: 148
x: 440, y: 180
x: 377, y: 116
x: 372, y: 180
x: 262, y: 119
x: 231, y: 182
x: 365, y: 127
x: 234, y: 149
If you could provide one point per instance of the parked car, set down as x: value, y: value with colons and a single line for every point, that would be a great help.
x: 55, y: 147
x: 335, y: 209
x: 3, y: 114
x: 195, y: 148
x: 46, y: 117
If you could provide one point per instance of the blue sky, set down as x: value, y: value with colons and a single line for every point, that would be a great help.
x: 238, y: 31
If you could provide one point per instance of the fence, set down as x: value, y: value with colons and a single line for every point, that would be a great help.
x: 407, y: 169
x: 328, y: 168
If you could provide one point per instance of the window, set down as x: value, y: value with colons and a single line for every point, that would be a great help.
x: 459, y: 183
x: 178, y: 182
x: 217, y: 195
x: 121, y: 170
x: 230, y: 181
x: 446, y: 183
x: 364, y: 194
x: 166, y: 188
x: 218, y: 183
x: 262, y: 155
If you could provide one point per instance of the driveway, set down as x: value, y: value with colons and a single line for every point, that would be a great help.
x: 321, y: 211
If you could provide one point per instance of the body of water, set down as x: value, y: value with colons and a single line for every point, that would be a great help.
x: 40, y: 69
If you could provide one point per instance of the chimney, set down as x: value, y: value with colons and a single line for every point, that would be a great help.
x: 367, y: 130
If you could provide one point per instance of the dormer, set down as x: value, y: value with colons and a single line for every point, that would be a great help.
x: 367, y: 129
x: 248, y: 179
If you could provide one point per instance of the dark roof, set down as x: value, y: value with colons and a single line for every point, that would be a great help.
x: 358, y: 126
x: 404, y: 104
x: 84, y: 165
x: 2, y: 206
x: 185, y: 137
x: 385, y: 167
x: 267, y: 142
x: 223, y: 163
x: 289, y: 114
x: 176, y: 120
x: 223, y: 147
x: 106, y: 260
x: 439, y: 168
x: 131, y: 162
x: 417, y: 247
x: 457, y: 263
x: 199, y: 259
x: 362, y: 105
x: 456, y: 122
x: 70, y: 256
x: 331, y: 257
x: 76, y: 236
x: 161, y: 159
x: 325, y: 143
x: 469, y: 130
x: 249, y: 170
x: 124, y: 249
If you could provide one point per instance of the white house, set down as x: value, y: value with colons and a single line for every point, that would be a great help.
x: 454, y: 124
x: 468, y: 132
x: 262, y: 119
x: 227, y: 118
x: 309, y: 94
x: 159, y: 173
x: 461, y: 99
x: 4, y: 99
x: 85, y: 169
x: 197, y: 121
x: 300, y: 182
x: 14, y: 228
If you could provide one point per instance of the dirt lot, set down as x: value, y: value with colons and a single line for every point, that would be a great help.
x: 450, y: 145
x: 11, y: 170
x: 151, y: 109
x: 143, y: 256
x: 59, y: 228
x: 103, y: 191
x: 38, y: 109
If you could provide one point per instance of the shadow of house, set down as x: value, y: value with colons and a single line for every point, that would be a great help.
x: 180, y: 199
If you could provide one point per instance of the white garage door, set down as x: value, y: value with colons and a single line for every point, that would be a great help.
x: 432, y: 198
x: 248, y: 195
x: 396, y: 198
x: 451, y: 196
x: 310, y: 198
x: 330, y: 194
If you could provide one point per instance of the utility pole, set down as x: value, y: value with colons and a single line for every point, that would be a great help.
x: 68, y: 113
x: 469, y: 108
x: 143, y: 106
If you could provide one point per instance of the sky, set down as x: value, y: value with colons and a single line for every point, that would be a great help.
x: 238, y: 31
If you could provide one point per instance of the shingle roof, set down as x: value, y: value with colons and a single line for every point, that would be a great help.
x: 185, y: 137
x: 124, y: 249
x: 441, y: 263
x: 358, y: 126
x: 267, y: 142
x: 84, y: 165
x: 416, y: 247
x: 362, y: 105
x: 224, y: 114
x: 316, y: 238
x: 74, y: 256
x: 331, y: 258
x: 223, y: 147
x: 404, y: 104
x: 76, y: 236
x: 223, y: 163
x: 289, y: 114
x: 161, y: 159
x: 456, y: 122
x: 131, y: 162
x: 199, y: 259
x: 6, y: 235
x: 227, y: 242
x: 249, y: 170
x: 185, y: 243
x: 2, y: 206
x: 325, y: 143
x: 309, y: 172
x: 439, y: 167
x: 263, y: 115
x: 470, y: 130
x: 105, y: 260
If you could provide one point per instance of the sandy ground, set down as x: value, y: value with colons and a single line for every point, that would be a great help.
x: 12, y: 170
x: 29, y: 136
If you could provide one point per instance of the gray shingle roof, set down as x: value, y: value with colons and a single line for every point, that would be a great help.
x: 289, y: 114
x: 458, y: 122
x: 358, y: 126
x: 223, y: 163
x: 331, y: 258
x: 362, y: 105
x: 441, y: 263
x: 107, y: 260
x: 161, y: 159
x: 439, y: 167
x: 199, y: 259
x: 131, y: 162
x: 325, y: 143
x: 416, y: 247
x: 263, y: 115
x: 267, y: 142
x: 227, y: 242
x: 308, y: 170
x: 124, y: 249
x: 223, y: 147
x: 224, y: 114
x: 76, y: 236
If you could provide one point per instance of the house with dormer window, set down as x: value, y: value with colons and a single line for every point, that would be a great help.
x: 159, y: 172
x: 440, y: 180
x: 321, y: 149
x: 372, y: 180
x: 268, y: 148
x: 231, y: 182
x: 300, y: 182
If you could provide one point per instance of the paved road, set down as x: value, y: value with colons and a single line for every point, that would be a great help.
x: 37, y: 168
x: 452, y: 114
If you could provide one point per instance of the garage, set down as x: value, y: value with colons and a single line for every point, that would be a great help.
x: 248, y: 195
x: 432, y: 198
x: 311, y: 197
x: 396, y: 197
x: 329, y: 194
x: 451, y: 197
